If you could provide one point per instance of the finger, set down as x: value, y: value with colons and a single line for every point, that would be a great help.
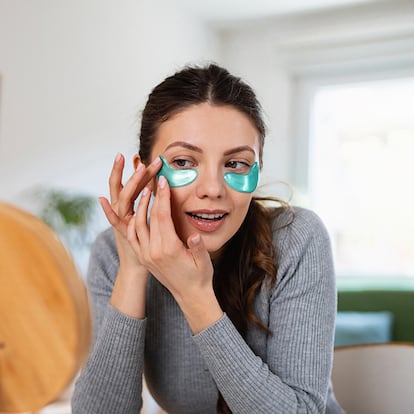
x: 135, y: 184
x: 199, y: 252
x: 151, y: 170
x: 130, y: 191
x: 111, y: 216
x: 147, y: 175
x: 140, y: 222
x: 115, y: 178
x: 132, y: 237
x: 161, y: 220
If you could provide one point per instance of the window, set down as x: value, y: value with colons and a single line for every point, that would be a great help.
x: 361, y: 174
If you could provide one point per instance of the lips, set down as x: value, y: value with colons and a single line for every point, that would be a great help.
x: 206, y: 221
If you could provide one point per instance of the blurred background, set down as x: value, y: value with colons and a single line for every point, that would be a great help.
x: 335, y: 77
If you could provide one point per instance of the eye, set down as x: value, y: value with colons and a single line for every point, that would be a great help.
x: 181, y: 163
x: 238, y: 166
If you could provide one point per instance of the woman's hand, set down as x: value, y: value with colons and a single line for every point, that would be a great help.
x: 186, y: 272
x: 120, y: 210
x: 129, y: 292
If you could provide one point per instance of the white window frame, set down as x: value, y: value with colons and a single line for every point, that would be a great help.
x: 336, y: 65
x: 339, y: 63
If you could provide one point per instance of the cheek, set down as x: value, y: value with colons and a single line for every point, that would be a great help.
x: 242, y: 201
x: 240, y: 207
x: 178, y: 196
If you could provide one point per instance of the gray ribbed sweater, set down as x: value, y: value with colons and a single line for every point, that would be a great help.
x: 285, y: 372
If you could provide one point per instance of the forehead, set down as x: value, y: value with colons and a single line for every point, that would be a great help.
x: 209, y: 127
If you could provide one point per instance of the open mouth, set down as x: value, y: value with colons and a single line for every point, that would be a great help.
x: 207, y: 217
x: 206, y: 222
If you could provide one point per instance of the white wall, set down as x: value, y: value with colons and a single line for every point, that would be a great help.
x: 74, y: 77
x: 276, y: 54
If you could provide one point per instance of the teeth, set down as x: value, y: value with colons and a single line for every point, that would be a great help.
x: 209, y: 216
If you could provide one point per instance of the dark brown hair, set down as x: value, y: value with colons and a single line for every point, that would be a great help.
x: 249, y: 256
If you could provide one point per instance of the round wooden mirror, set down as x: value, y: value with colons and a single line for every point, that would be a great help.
x: 45, y: 324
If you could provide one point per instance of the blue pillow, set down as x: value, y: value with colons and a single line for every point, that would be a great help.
x: 363, y: 327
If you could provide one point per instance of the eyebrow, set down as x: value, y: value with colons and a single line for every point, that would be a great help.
x: 198, y: 149
x: 239, y: 149
x: 185, y: 145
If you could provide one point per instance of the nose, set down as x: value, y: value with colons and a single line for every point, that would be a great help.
x: 210, y: 183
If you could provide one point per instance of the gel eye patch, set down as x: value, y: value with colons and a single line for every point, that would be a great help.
x: 243, y: 183
x: 176, y: 178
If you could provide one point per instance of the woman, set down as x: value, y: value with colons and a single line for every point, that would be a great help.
x: 227, y: 305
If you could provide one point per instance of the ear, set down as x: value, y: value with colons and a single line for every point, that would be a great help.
x: 152, y: 184
x: 136, y: 160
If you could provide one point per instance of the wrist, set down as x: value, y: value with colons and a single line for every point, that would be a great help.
x: 129, y: 292
x: 201, y: 310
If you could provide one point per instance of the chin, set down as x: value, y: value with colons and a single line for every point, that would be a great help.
x: 214, y: 249
x: 213, y: 243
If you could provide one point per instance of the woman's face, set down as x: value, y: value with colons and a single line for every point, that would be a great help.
x: 213, y: 140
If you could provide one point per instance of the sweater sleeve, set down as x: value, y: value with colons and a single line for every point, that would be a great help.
x: 294, y: 374
x: 111, y: 380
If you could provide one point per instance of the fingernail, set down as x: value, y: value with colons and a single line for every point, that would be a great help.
x: 145, y: 191
x: 162, y: 181
x: 196, y: 239
x: 118, y: 157
x: 140, y: 167
x: 156, y: 161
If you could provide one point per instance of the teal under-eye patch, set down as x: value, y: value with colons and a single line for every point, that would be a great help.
x: 176, y: 178
x: 243, y: 183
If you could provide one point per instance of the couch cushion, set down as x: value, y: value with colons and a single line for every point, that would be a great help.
x: 363, y: 327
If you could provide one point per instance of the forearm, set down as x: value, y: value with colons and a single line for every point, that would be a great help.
x: 111, y: 381
x: 246, y: 381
